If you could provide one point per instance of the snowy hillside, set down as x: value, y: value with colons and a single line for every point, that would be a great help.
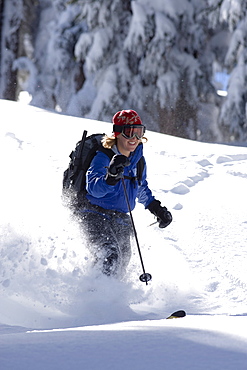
x: 56, y: 312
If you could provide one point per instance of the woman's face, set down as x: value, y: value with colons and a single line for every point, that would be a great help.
x: 126, y: 146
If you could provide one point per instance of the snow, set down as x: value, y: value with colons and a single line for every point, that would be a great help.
x: 56, y: 312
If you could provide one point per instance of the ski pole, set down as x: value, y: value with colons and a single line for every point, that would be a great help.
x: 145, y: 277
x: 153, y: 223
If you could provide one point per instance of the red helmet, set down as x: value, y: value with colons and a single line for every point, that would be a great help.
x: 125, y: 117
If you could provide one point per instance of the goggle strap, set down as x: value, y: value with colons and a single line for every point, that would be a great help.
x: 117, y: 128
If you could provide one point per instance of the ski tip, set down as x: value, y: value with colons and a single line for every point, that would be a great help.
x: 177, y: 314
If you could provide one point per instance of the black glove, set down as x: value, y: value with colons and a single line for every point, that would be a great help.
x: 164, y: 217
x: 116, y: 169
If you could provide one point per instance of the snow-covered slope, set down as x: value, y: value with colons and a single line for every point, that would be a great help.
x: 56, y: 312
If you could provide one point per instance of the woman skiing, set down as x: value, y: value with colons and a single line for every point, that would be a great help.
x: 104, y: 210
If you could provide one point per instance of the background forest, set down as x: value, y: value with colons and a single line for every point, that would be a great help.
x: 180, y: 63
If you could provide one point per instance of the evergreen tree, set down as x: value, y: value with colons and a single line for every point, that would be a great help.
x: 17, y: 30
x: 93, y: 57
x: 11, y: 11
x: 151, y: 57
x: 168, y: 44
x: 54, y: 75
x: 233, y: 115
x: 101, y: 49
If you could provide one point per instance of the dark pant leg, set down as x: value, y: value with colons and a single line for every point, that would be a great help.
x: 123, y: 232
x: 108, y: 238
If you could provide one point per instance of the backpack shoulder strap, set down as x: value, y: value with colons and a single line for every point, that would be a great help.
x: 139, y: 171
x: 109, y: 152
x: 140, y: 168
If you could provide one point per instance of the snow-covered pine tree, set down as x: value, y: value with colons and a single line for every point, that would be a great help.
x: 233, y: 115
x: 106, y: 67
x: 152, y: 57
x: 17, y: 31
x: 165, y: 43
x: 94, y: 57
x: 54, y: 75
x: 11, y: 16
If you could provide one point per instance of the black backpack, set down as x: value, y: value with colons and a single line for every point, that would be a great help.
x: 74, y: 177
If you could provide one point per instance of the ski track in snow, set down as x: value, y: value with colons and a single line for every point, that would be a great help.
x: 45, y: 271
x: 219, y: 268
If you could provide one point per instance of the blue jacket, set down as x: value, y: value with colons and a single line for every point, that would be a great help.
x: 112, y: 197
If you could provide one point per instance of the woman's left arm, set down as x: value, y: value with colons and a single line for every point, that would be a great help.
x: 144, y: 194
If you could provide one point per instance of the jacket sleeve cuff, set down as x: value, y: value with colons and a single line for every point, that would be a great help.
x: 154, y: 206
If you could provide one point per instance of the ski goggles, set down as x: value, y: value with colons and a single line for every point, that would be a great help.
x: 130, y: 131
